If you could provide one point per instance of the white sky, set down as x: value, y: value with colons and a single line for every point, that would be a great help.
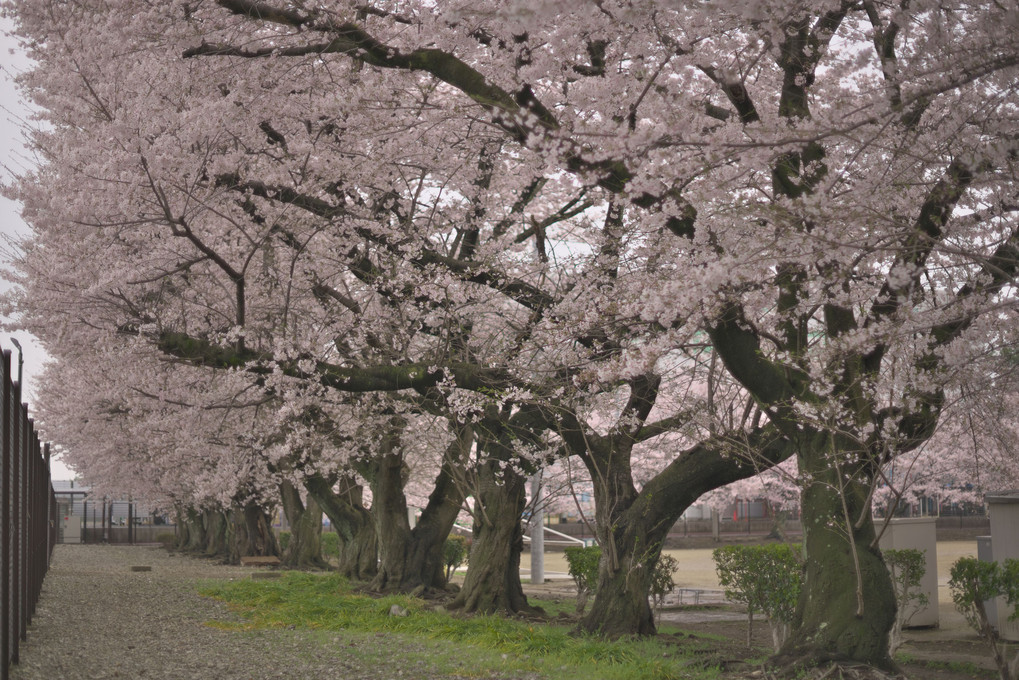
x: 14, y: 159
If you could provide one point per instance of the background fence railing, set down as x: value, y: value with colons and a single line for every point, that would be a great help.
x: 27, y: 511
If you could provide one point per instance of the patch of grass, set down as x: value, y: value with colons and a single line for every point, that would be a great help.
x: 555, y: 607
x: 904, y: 657
x: 462, y: 646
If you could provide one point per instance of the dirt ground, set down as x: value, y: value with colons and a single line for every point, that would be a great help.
x: 951, y: 651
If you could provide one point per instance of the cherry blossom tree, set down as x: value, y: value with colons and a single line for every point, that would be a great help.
x: 826, y: 189
x: 173, y: 437
x: 971, y: 454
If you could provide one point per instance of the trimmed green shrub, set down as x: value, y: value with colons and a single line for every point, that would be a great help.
x: 973, y: 582
x: 583, y: 567
x: 330, y: 545
x: 662, y: 582
x: 168, y: 539
x: 454, y: 553
x: 906, y: 568
x: 767, y: 579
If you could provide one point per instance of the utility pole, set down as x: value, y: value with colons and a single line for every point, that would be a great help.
x: 537, y: 532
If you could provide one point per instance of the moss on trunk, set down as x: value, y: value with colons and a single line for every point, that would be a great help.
x: 492, y: 582
x: 392, y: 525
x: 632, y: 526
x: 341, y: 500
x: 251, y: 533
x: 304, y: 550
x: 847, y: 604
x: 215, y: 523
x: 191, y: 531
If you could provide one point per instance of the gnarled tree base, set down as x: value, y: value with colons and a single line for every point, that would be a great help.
x: 830, y: 671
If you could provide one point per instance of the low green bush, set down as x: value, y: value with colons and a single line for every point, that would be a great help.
x: 662, y: 582
x: 906, y: 567
x: 583, y: 567
x: 168, y: 539
x: 454, y: 553
x: 767, y: 578
x: 973, y: 582
x: 330, y: 545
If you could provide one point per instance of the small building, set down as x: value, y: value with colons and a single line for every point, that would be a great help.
x: 1003, y: 508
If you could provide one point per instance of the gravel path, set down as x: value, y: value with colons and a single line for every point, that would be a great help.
x: 98, y: 619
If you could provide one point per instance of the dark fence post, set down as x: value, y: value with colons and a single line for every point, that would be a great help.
x: 25, y: 509
x: 19, y: 498
x: 6, y: 525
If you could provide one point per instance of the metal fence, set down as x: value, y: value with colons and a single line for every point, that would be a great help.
x: 27, y: 510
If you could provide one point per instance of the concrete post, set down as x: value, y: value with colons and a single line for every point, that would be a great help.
x: 537, y: 531
x: 918, y: 533
x: 1004, y: 510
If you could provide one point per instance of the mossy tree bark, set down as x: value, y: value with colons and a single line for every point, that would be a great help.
x: 493, y: 582
x: 847, y: 605
x: 424, y: 566
x: 410, y: 558
x: 182, y: 531
x: 191, y: 531
x: 215, y: 523
x: 304, y: 550
x: 423, y: 556
x: 632, y: 527
x: 251, y: 533
x: 342, y: 501
x: 389, y: 510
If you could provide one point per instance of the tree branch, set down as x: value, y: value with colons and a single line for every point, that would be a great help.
x: 386, y: 378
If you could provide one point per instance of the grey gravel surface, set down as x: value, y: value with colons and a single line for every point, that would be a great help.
x: 98, y: 619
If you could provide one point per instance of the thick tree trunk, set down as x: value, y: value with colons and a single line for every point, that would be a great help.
x: 352, y: 522
x: 629, y: 554
x: 181, y: 532
x: 621, y: 605
x: 358, y: 559
x: 492, y: 582
x: 251, y: 533
x: 392, y: 525
x: 847, y: 605
x: 425, y: 567
x: 191, y: 535
x: 423, y: 559
x: 632, y: 527
x: 215, y: 523
x: 411, y: 559
x: 304, y: 551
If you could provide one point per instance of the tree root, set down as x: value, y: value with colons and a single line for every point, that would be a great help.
x: 836, y: 671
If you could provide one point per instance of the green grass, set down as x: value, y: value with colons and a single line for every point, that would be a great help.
x: 554, y: 608
x: 457, y: 646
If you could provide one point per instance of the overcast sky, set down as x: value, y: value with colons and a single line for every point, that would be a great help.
x: 14, y: 159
